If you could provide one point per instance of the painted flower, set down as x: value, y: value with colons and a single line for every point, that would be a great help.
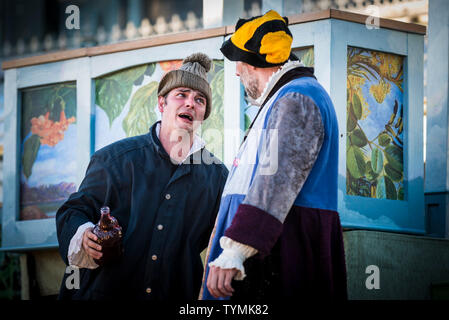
x: 50, y: 132
x: 380, y: 90
x: 170, y: 65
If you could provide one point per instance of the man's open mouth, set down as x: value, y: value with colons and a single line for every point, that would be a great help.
x: 186, y: 116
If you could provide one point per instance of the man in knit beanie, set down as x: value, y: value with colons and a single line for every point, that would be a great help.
x: 181, y: 120
x: 162, y: 194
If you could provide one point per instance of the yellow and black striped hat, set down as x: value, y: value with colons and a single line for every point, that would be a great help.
x: 262, y: 41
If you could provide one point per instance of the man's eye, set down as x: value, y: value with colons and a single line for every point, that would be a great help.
x: 181, y: 94
x: 201, y: 101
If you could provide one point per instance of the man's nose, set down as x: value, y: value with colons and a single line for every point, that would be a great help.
x: 190, y: 101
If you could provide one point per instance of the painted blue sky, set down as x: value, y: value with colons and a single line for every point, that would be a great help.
x: 379, y: 113
x: 56, y: 164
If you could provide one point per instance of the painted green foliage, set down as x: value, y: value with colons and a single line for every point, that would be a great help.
x: 306, y: 55
x: 213, y: 127
x: 374, y: 124
x: 115, y: 90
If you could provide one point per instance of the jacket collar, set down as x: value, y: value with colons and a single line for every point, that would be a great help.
x: 198, y: 143
x: 275, y: 78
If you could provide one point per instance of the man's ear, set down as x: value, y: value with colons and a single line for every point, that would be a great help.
x: 252, y: 68
x: 161, y: 103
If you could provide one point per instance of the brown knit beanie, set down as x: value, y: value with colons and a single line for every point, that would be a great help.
x: 192, y: 74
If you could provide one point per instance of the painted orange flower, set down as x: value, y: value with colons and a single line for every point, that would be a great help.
x: 170, y: 65
x: 50, y: 132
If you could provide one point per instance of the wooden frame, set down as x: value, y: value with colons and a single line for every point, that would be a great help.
x: 17, y: 235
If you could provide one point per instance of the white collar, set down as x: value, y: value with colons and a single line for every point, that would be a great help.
x: 198, y: 142
x: 275, y: 78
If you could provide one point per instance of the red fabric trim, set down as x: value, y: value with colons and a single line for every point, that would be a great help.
x: 255, y: 227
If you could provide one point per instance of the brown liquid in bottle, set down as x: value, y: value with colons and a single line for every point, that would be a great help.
x: 109, y: 235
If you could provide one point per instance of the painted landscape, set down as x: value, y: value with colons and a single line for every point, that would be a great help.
x: 48, y: 162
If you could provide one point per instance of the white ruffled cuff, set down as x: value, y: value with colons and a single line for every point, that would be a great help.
x: 233, y: 255
x: 77, y: 256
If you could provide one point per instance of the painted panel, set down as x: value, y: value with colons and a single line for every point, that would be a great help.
x: 48, y: 159
x: 374, y: 146
x: 381, y: 213
x: 126, y: 103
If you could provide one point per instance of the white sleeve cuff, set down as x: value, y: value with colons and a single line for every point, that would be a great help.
x: 77, y: 256
x: 233, y: 255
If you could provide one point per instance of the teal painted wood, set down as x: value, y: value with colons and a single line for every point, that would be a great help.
x: 85, y: 97
x: 437, y: 150
x: 318, y: 35
x: 370, y: 213
x: 10, y: 163
x: 233, y: 112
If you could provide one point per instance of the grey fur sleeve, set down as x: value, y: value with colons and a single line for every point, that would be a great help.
x: 290, y: 148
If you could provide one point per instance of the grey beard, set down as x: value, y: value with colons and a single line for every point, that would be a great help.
x: 252, y: 90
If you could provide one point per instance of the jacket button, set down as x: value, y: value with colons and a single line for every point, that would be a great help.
x: 154, y: 257
x: 160, y: 227
x: 148, y: 290
x: 167, y: 196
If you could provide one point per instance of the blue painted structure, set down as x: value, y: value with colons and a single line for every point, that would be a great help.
x: 330, y: 38
x: 437, y: 147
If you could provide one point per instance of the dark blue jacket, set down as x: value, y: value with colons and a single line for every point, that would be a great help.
x: 145, y: 190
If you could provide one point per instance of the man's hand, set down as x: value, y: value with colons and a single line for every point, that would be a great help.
x: 219, y: 281
x: 92, y: 248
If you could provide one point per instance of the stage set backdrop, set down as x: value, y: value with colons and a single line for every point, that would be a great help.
x: 61, y: 109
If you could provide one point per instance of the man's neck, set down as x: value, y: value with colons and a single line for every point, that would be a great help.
x: 177, y: 143
x: 264, y: 75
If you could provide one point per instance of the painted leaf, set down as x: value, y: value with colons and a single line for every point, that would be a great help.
x: 215, y: 120
x: 247, y: 121
x: 113, y: 91
x: 377, y: 160
x: 150, y: 69
x: 385, y: 189
x: 393, y: 173
x: 351, y: 123
x: 69, y: 96
x: 355, y: 162
x: 111, y: 96
x: 138, y: 81
x: 358, y: 138
x: 401, y: 193
x: 57, y: 105
x: 129, y: 75
x: 384, y: 139
x: 370, y: 174
x: 30, y: 150
x: 394, y: 157
x: 141, y: 112
x: 356, y: 106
